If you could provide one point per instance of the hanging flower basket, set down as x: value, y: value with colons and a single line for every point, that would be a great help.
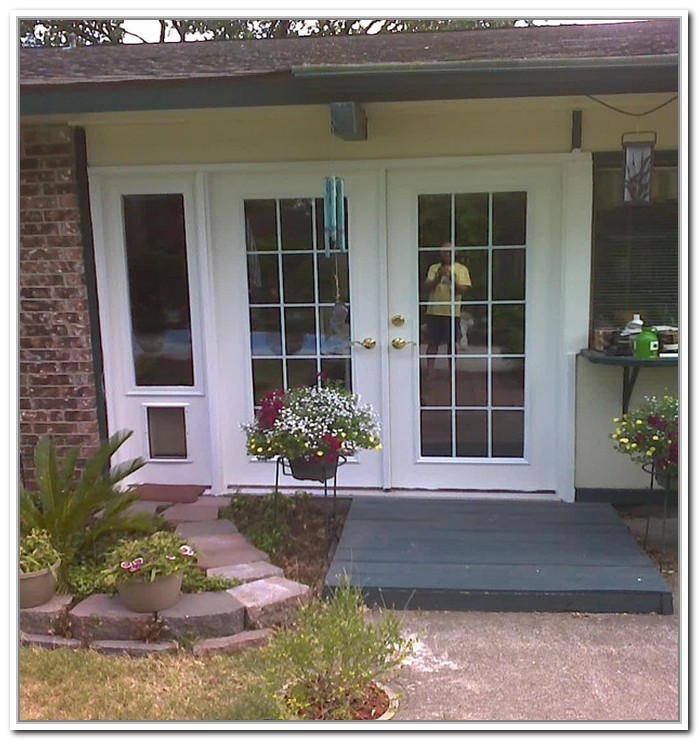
x: 313, y: 470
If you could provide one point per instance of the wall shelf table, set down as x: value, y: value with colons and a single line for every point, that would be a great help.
x: 630, y: 369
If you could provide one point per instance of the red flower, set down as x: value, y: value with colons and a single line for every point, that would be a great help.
x: 334, y: 446
x: 270, y: 407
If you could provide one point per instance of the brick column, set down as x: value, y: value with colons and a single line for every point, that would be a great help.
x: 56, y: 375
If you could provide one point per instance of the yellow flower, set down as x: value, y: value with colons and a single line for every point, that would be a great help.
x: 319, y: 453
x: 655, y: 437
x: 634, y: 445
x: 616, y: 419
x: 639, y: 422
x: 649, y: 453
x: 260, y: 449
x: 624, y: 440
x: 378, y: 447
x: 343, y: 434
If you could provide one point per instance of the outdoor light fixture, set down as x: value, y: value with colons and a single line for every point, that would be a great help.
x: 638, y: 165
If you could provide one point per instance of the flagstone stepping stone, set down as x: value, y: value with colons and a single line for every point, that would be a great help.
x: 195, y: 512
x: 231, y: 556
x: 46, y: 641
x: 232, y: 644
x: 246, y: 572
x: 204, y: 615
x: 102, y: 617
x: 137, y: 508
x: 134, y: 648
x: 47, y: 617
x: 213, y: 500
x: 209, y: 527
x: 211, y: 543
x: 271, y: 602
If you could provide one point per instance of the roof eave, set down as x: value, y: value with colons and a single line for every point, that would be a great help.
x: 370, y: 83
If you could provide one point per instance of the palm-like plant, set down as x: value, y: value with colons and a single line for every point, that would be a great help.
x: 78, y: 510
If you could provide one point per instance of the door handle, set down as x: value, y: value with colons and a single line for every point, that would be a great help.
x: 399, y: 343
x: 368, y: 343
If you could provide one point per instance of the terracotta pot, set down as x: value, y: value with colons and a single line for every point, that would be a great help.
x: 313, y: 470
x: 151, y: 596
x: 38, y: 587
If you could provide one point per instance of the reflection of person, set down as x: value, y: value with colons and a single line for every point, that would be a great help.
x: 447, y: 282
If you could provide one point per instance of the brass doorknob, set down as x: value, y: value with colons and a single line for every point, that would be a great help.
x: 368, y: 343
x: 397, y: 320
x: 399, y: 343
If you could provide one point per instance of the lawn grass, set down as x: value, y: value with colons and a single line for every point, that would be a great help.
x: 66, y: 685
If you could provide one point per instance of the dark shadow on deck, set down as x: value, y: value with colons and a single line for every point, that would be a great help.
x: 437, y: 554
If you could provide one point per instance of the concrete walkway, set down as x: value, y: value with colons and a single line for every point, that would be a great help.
x: 527, y: 667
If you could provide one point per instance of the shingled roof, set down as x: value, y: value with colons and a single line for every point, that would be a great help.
x: 343, y: 62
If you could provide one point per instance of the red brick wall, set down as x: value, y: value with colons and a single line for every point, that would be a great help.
x: 56, y: 373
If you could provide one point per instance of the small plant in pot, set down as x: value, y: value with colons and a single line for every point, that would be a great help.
x: 147, y: 572
x: 38, y: 567
x: 312, y: 427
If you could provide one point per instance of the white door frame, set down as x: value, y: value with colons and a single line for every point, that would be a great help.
x: 575, y: 255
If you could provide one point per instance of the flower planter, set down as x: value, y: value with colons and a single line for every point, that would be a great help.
x: 38, y: 587
x: 666, y: 481
x: 150, y: 596
x: 313, y: 470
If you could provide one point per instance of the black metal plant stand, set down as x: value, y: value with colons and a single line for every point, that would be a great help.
x: 328, y: 472
x: 649, y: 468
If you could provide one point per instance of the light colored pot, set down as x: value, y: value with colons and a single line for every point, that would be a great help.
x: 38, y: 587
x: 150, y: 596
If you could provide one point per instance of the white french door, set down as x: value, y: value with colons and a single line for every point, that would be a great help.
x: 285, y: 311
x: 472, y: 364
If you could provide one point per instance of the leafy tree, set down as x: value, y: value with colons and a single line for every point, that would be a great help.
x: 80, y: 32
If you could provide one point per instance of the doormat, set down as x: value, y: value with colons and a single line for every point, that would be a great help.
x: 180, y: 493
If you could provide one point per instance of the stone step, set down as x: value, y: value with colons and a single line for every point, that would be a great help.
x: 204, y: 615
x: 232, y: 644
x: 231, y: 556
x: 47, y: 641
x: 246, y: 572
x: 209, y: 527
x: 219, y: 501
x: 217, y: 542
x: 47, y: 618
x: 196, y: 512
x: 134, y: 648
x: 271, y: 602
x: 102, y: 617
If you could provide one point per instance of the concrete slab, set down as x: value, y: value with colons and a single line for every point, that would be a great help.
x: 45, y: 618
x: 134, y: 648
x: 212, y: 500
x: 204, y: 615
x: 101, y: 617
x: 270, y: 602
x: 232, y: 644
x: 149, y: 508
x: 247, y: 572
x: 230, y: 557
x: 209, y: 527
x: 195, y: 512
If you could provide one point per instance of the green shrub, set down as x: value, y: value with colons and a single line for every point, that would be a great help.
x: 90, y: 577
x: 326, y: 661
x: 79, y: 510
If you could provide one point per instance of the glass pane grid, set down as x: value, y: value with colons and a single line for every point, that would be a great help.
x: 299, y: 336
x: 452, y: 415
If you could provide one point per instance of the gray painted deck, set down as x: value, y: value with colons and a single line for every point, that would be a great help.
x: 508, y: 556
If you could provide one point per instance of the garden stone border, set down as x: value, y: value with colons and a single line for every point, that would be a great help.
x: 226, y: 622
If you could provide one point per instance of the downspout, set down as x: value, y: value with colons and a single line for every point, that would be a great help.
x: 88, y: 246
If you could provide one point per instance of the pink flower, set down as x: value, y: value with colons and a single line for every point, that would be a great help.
x: 126, y: 565
x: 170, y: 558
x: 185, y: 550
x: 138, y: 562
x: 135, y: 567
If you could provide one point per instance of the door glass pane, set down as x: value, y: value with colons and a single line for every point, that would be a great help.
x: 304, y: 326
x: 471, y: 217
x: 156, y: 259
x: 508, y: 275
x: 508, y: 434
x: 509, y: 218
x: 472, y: 330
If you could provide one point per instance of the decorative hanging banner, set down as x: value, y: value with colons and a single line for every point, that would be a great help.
x: 638, y: 165
x: 334, y: 214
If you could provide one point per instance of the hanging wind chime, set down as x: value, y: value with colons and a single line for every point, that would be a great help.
x: 335, y: 243
x: 638, y: 149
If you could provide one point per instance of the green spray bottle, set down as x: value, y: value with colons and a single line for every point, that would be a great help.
x: 646, y: 344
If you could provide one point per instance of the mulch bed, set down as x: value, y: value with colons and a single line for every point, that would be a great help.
x: 375, y: 703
